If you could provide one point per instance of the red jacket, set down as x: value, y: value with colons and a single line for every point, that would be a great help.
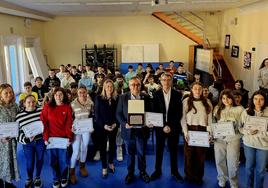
x: 57, y: 121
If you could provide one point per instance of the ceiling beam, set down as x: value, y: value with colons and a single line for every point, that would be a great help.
x: 15, y: 10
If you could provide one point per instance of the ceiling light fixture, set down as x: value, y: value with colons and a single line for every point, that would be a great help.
x: 213, y: 1
x: 59, y: 4
x: 110, y: 3
x: 163, y: 2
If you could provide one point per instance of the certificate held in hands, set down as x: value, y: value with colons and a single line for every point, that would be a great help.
x: 83, y: 126
x: 9, y: 129
x: 136, y: 113
x: 33, y: 129
x: 198, y: 138
x: 223, y: 129
x: 256, y: 123
x: 57, y: 143
x: 155, y: 119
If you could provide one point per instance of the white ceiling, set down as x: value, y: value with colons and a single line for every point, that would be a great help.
x: 123, y: 7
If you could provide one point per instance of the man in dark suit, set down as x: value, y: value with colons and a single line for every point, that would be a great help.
x: 135, y: 138
x: 168, y: 102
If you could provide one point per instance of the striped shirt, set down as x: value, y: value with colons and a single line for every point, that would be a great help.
x: 25, y: 118
x: 82, y: 111
x: 180, y: 76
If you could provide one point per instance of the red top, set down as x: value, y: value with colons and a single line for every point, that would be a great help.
x: 171, y: 70
x: 57, y: 121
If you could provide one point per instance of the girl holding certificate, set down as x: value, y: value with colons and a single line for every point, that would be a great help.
x: 32, y: 146
x: 106, y: 127
x: 82, y: 108
x: 57, y: 119
x: 227, y: 148
x: 197, y: 116
x: 8, y: 146
x: 255, y: 140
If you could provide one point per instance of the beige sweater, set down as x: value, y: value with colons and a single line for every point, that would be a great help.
x: 199, y: 118
x: 231, y: 114
x: 82, y: 111
x: 263, y: 77
x: 259, y: 140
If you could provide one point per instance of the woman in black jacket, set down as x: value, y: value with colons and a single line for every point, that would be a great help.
x: 106, y: 124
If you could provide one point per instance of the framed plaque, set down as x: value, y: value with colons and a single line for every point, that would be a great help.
x: 136, y: 113
x: 136, y: 119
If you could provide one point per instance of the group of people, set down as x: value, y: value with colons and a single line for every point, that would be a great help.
x: 76, y: 94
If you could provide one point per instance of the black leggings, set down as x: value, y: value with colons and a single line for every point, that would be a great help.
x: 104, y: 137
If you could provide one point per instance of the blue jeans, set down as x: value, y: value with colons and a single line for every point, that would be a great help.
x: 32, y: 150
x: 256, y: 159
x: 133, y: 146
x: 59, y: 162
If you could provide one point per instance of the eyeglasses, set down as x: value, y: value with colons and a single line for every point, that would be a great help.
x: 165, y: 80
x: 137, y: 85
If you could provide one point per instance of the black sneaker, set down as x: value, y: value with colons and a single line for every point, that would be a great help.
x: 145, y: 177
x: 155, y: 175
x: 64, y: 183
x: 177, y: 177
x: 28, y: 183
x: 56, y: 184
x: 129, y: 178
x: 37, y: 183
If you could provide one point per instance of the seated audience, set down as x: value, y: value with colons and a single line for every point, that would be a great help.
x: 28, y: 91
x: 239, y: 86
x: 67, y: 80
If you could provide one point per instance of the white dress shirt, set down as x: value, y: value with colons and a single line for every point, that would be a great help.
x: 167, y: 100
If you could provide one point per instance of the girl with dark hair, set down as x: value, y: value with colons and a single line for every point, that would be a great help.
x: 197, y: 116
x: 57, y: 119
x: 106, y: 124
x: 227, y: 148
x: 239, y: 86
x: 255, y: 141
x: 263, y: 76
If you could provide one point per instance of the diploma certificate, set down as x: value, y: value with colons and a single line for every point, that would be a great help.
x: 256, y: 123
x: 223, y: 129
x: 57, y: 143
x: 83, y: 125
x: 9, y: 129
x: 156, y: 119
x: 198, y: 138
x: 33, y: 129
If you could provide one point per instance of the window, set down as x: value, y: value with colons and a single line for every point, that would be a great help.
x: 14, y: 62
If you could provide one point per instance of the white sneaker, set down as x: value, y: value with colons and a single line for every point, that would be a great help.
x: 64, y: 183
x: 97, y: 156
x: 222, y: 183
x: 56, y: 184
x: 119, y: 153
x: 38, y: 183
